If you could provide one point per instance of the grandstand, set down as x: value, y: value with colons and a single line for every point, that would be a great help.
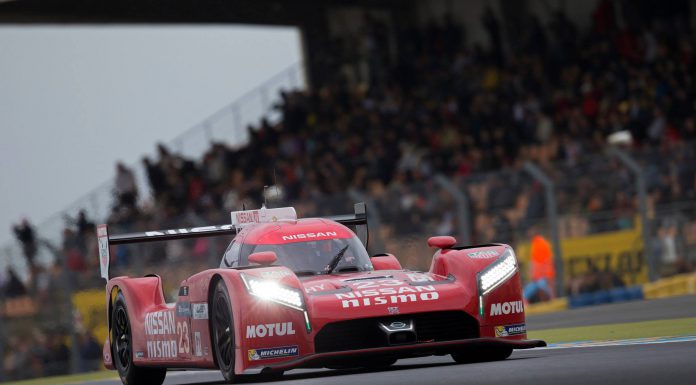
x: 440, y: 118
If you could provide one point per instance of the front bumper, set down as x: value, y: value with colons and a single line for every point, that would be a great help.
x: 401, y: 351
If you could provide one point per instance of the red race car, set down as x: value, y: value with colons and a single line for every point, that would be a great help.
x: 297, y: 293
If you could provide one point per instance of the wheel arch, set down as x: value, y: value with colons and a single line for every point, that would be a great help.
x: 211, y: 289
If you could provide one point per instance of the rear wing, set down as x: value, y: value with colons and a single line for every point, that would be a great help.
x: 358, y: 219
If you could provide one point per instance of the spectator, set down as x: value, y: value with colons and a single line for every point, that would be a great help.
x: 125, y: 186
x: 90, y: 352
x: 27, y: 238
x: 542, y: 271
x: 14, y: 287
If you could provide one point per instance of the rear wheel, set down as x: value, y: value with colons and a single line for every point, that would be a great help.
x: 222, y: 326
x: 122, y: 350
x: 482, y: 355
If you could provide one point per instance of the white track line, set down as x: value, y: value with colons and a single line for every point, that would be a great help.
x: 635, y: 341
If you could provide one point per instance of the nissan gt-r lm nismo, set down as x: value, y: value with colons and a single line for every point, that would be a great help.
x: 297, y: 293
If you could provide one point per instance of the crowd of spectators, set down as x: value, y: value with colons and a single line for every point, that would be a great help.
x: 40, y: 354
x: 387, y: 123
x: 395, y: 108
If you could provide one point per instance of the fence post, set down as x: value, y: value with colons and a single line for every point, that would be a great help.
x: 552, y: 219
x: 462, y: 208
x: 208, y: 131
x: 68, y: 289
x: 293, y: 76
x: 373, y: 218
x: 642, y: 191
x: 3, y: 333
x: 238, y: 125
x: 264, y: 101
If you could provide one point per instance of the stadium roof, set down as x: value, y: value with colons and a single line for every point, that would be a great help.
x: 268, y: 12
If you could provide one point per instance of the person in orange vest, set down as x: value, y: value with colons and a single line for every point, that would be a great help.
x: 542, y: 271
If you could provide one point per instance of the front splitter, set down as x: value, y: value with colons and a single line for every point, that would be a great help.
x: 403, y: 351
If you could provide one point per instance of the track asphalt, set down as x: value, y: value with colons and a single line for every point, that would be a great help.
x: 645, y: 363
x: 634, y: 311
x: 667, y: 363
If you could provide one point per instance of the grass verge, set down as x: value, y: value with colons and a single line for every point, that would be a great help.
x: 645, y: 329
x: 69, y: 379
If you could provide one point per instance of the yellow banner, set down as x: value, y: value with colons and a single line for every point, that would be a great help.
x: 92, y: 308
x: 620, y: 252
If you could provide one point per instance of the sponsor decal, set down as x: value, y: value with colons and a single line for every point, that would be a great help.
x: 275, y: 274
x: 203, y: 229
x: 514, y: 307
x: 418, y: 277
x: 165, y: 338
x: 268, y: 353
x: 139, y: 354
x: 483, y: 254
x: 388, y: 296
x: 183, y: 291
x: 103, y: 243
x: 393, y: 309
x: 310, y: 235
x: 197, y: 351
x: 510, y: 330
x: 251, y: 216
x: 159, y: 323
x: 241, y: 218
x: 183, y: 309
x: 315, y: 288
x: 270, y: 330
x: 200, y: 311
x: 397, y: 325
x: 162, y: 349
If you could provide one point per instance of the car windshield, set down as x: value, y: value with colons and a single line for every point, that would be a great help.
x: 312, y: 257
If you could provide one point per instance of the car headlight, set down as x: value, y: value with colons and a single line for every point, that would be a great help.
x: 272, y: 291
x: 497, y: 272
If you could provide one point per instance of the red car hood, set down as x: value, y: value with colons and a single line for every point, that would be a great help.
x: 385, y: 292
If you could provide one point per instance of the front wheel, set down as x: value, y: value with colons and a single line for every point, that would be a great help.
x: 483, y: 355
x: 122, y: 350
x: 222, y: 326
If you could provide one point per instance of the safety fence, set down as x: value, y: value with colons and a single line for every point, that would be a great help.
x: 604, y: 240
x: 40, y: 331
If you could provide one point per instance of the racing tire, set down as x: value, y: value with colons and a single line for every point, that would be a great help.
x: 483, y: 355
x: 122, y: 350
x: 222, y: 331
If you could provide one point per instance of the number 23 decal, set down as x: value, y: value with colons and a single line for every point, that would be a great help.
x: 182, y: 330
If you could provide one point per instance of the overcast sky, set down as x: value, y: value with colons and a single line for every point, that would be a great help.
x: 74, y: 100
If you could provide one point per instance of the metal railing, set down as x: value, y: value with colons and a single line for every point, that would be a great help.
x: 230, y: 126
x: 503, y: 206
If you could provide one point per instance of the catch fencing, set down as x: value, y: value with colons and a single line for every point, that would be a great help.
x: 615, y: 218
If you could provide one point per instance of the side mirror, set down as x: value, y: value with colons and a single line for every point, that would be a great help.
x: 442, y: 242
x: 385, y: 262
x: 263, y: 258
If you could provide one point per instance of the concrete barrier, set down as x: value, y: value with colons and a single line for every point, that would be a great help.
x: 682, y: 284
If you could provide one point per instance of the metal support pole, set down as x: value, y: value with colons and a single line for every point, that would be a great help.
x: 3, y: 332
x: 264, y: 101
x: 68, y: 289
x: 642, y: 191
x: 552, y: 219
x: 292, y: 76
x: 373, y: 219
x: 462, y: 208
x: 208, y: 131
x: 238, y: 130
